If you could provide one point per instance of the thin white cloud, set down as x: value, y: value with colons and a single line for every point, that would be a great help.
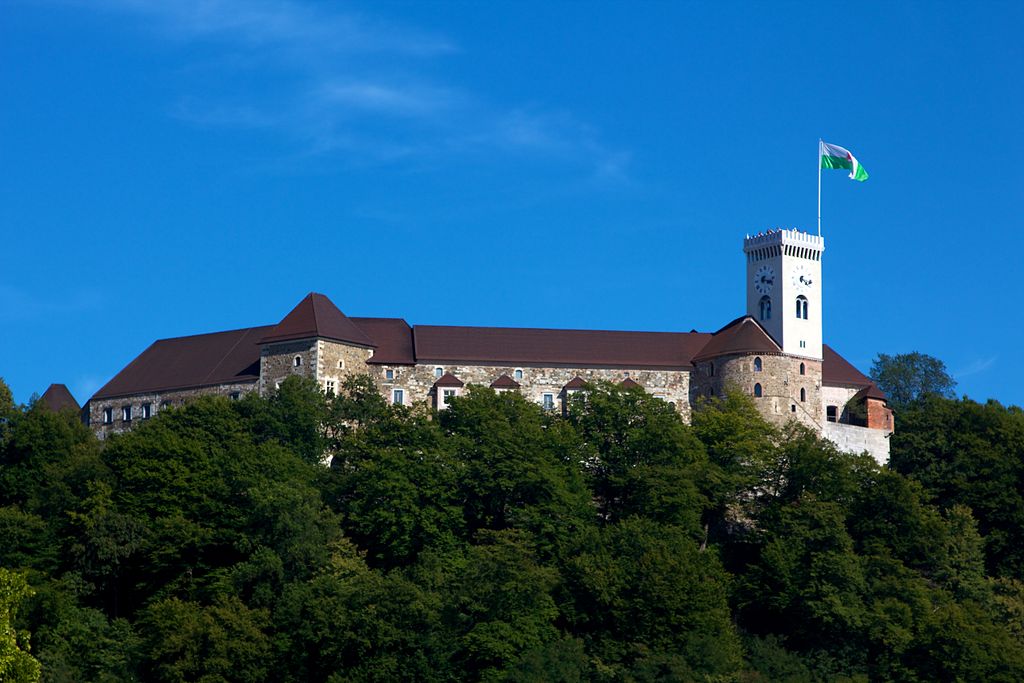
x: 976, y: 367
x: 346, y: 82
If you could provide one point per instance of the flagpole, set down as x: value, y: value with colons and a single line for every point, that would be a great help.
x: 819, y: 187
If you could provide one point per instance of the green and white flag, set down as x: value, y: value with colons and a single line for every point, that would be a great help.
x: 834, y: 156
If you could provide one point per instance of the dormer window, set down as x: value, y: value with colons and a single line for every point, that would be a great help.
x: 757, y: 365
x: 297, y: 361
x: 801, y: 307
x: 765, y: 308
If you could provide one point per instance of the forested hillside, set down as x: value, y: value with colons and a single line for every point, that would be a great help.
x: 497, y: 542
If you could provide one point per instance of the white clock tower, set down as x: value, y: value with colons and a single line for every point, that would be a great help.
x: 784, y: 288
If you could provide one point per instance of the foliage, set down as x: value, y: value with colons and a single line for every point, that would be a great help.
x: 495, y: 541
x: 907, y: 377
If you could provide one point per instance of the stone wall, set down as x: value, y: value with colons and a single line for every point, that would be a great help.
x: 839, y: 396
x: 780, y: 379
x: 277, y: 362
x: 853, y: 439
x: 157, y: 402
x: 336, y: 362
x: 418, y: 380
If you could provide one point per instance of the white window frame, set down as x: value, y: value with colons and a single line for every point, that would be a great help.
x: 438, y: 372
x: 147, y: 411
x: 547, y: 400
x: 108, y: 415
x: 517, y: 374
x: 126, y: 413
x: 389, y: 374
x: 446, y: 393
x: 397, y: 396
x: 330, y: 386
x: 297, y: 361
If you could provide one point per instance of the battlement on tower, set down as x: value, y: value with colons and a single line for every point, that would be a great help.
x: 783, y: 242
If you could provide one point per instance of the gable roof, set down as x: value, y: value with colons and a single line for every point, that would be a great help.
x: 532, y: 346
x: 504, y: 382
x: 576, y: 382
x: 449, y: 380
x: 629, y: 383
x: 742, y: 335
x: 196, y: 361
x: 836, y: 370
x: 316, y: 316
x: 57, y: 398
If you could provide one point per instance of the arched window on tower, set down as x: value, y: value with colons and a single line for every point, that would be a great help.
x: 803, y: 394
x: 803, y: 369
x: 757, y: 365
x: 297, y: 361
x: 801, y: 307
x: 757, y: 391
x: 765, y: 308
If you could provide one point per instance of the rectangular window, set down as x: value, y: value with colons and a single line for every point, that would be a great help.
x: 832, y: 413
x: 147, y: 411
x: 165, y: 405
x: 126, y: 414
x: 447, y: 395
x: 549, y: 402
x: 389, y: 374
x: 398, y: 397
x: 235, y: 395
x: 329, y: 386
x: 438, y: 372
x: 108, y: 416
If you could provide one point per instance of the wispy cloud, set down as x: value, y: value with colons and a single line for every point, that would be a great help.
x: 344, y: 81
x: 976, y: 367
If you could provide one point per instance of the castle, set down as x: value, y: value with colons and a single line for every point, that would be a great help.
x: 774, y: 352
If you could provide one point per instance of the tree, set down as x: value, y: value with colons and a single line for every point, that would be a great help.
x: 906, y: 377
x: 16, y: 664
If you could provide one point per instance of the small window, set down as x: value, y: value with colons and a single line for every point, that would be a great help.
x: 165, y: 405
x: 147, y: 411
x: 549, y: 401
x: 792, y: 407
x: 757, y: 390
x: 398, y: 397
x: 626, y: 374
x: 329, y: 386
x: 389, y: 374
x: 519, y: 373
x: 757, y: 365
x: 126, y: 414
x: 341, y: 364
x: 801, y: 307
x: 235, y: 395
x: 831, y: 413
x: 765, y: 308
x: 711, y: 369
x: 108, y: 416
x: 803, y: 394
x: 803, y: 369
x: 438, y: 372
x: 446, y: 396
x: 803, y: 344
x: 711, y: 392
x: 297, y: 361
x: 277, y: 386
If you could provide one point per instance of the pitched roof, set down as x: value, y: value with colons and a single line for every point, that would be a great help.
x: 871, y: 392
x: 531, y: 346
x: 317, y: 316
x: 392, y: 337
x: 57, y: 398
x: 836, y: 370
x: 576, y: 382
x: 196, y: 361
x: 504, y: 382
x: 629, y: 383
x: 449, y: 380
x: 742, y: 335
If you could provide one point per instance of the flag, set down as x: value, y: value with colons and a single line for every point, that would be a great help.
x: 833, y: 156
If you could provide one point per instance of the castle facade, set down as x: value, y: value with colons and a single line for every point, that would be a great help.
x: 774, y: 352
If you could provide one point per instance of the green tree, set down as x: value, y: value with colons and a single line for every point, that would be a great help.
x: 906, y: 377
x: 16, y: 664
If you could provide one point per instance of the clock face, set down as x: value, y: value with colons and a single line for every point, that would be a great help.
x: 802, y: 278
x: 764, y: 279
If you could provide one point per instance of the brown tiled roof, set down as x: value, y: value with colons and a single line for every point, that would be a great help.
x: 836, y: 370
x: 870, y: 392
x: 449, y: 380
x: 196, y: 361
x: 576, y: 382
x: 742, y: 335
x: 57, y: 398
x: 317, y: 316
x: 629, y: 383
x: 504, y: 382
x: 392, y: 338
x: 530, y: 346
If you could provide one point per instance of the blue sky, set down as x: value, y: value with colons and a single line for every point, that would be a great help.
x: 172, y: 168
